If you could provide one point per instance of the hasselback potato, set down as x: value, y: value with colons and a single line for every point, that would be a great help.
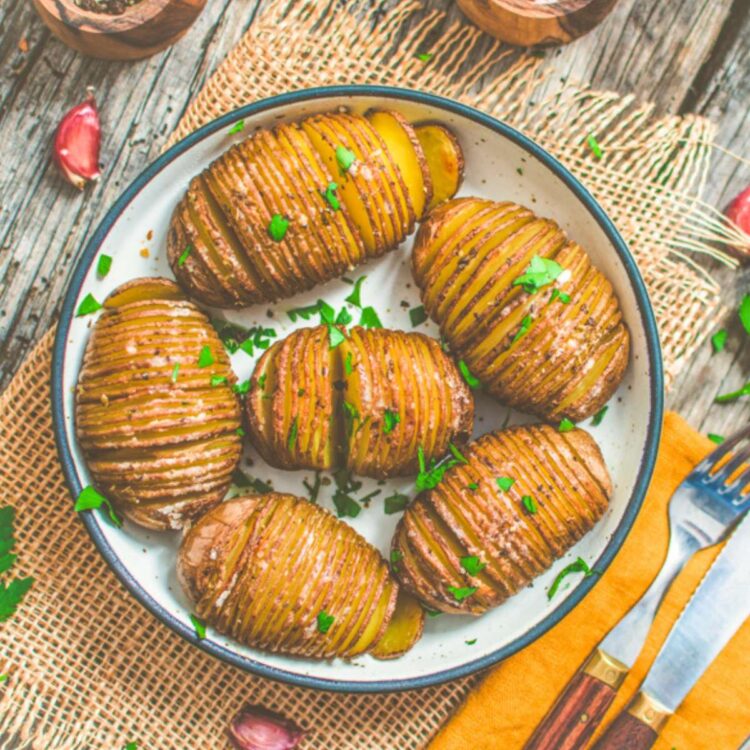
x: 278, y: 572
x: 156, y: 415
x: 367, y: 404
x: 299, y: 204
x: 522, y: 305
x: 491, y: 525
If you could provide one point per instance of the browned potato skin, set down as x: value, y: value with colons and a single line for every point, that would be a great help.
x: 224, y: 217
x: 573, y: 356
x: 306, y: 384
x: 260, y: 568
x: 565, y: 475
x: 162, y: 450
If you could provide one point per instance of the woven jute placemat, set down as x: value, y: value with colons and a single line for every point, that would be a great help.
x: 87, y: 666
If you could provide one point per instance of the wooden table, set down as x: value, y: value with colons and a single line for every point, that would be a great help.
x: 686, y: 55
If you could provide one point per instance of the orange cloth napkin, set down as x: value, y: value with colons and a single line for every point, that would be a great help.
x: 503, y: 711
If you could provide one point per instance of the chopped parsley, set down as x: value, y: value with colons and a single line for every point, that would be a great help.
x: 330, y: 195
x: 206, y: 357
x: 241, y: 388
x: 396, y: 502
x: 199, y: 626
x: 277, y: 227
x: 257, y: 338
x: 313, y: 490
x: 345, y: 504
x: 335, y: 337
x: 472, y: 564
x: 262, y: 381
x: 714, y: 438
x: 471, y: 380
x: 103, y: 265
x: 217, y: 380
x: 292, y: 439
x: 471, y: 642
x: 719, y: 340
x: 369, y: 318
x: 524, y: 329
x: 425, y: 57
x: 305, y: 312
x: 355, y: 298
x: 597, y: 420
x: 505, y: 483
x: 324, y: 621
x: 734, y: 395
x: 240, y: 431
x: 593, y: 144
x: 175, y: 371
x: 90, y: 499
x: 243, y: 481
x: 529, y: 504
x: 348, y: 368
x: 344, y: 158
x: 417, y: 315
x: 473, y: 486
x: 431, y: 612
x: 461, y: 592
x: 238, y: 127
x: 344, y: 317
x: 185, y: 253
x: 540, y: 273
x: 396, y: 556
x: 390, y: 420
x: 428, y: 478
x: 89, y: 304
x: 566, y: 425
x: 12, y: 594
x: 557, y: 294
x: 744, y: 313
x: 579, y: 565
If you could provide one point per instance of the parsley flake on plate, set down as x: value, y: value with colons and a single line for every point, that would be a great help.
x: 324, y: 621
x: 243, y: 481
x: 431, y: 476
x: 395, y: 503
x: 564, y: 297
x: 355, y: 298
x: 238, y: 127
x: 472, y: 564
x: 473, y: 486
x: 199, y: 626
x: 597, y: 419
x: 103, y: 265
x: 257, y: 338
x: 175, y: 372
x: 344, y: 158
x: 89, y: 304
x: 471, y: 642
x: 305, y: 312
x: 369, y: 318
x: 90, y: 499
x: 417, y: 316
x: 313, y: 489
x: 579, y: 565
x: 277, y: 227
x: 539, y: 273
x: 462, y: 592
x: 242, y: 387
x: 348, y: 368
x: 217, y: 380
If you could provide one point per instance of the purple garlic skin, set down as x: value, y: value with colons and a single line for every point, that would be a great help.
x: 257, y: 728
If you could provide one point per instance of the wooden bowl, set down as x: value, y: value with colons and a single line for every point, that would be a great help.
x: 140, y: 31
x: 536, y: 22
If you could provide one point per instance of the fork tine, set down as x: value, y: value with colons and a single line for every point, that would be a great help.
x: 739, y: 484
x: 734, y: 463
x: 716, y: 455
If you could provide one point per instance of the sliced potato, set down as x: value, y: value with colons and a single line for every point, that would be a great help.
x: 277, y: 572
x: 471, y: 542
x: 445, y: 161
x: 556, y: 349
x: 404, y: 628
x: 156, y: 416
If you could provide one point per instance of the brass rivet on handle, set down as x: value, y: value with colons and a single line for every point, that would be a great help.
x: 605, y: 668
x: 649, y: 711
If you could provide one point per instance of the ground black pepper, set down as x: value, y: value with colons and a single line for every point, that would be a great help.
x: 110, y: 7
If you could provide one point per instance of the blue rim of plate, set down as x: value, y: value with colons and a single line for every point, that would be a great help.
x: 92, y: 522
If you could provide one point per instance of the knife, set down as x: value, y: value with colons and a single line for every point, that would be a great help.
x: 717, y: 609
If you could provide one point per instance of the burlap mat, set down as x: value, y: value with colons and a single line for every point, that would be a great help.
x: 89, y: 668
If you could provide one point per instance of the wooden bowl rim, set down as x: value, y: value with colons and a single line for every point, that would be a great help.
x: 104, y: 23
x: 534, y: 10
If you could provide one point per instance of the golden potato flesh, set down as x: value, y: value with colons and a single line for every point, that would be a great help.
x: 549, y: 342
x: 367, y: 405
x: 445, y: 160
x: 279, y: 573
x: 490, y: 526
x: 156, y: 416
x: 297, y: 205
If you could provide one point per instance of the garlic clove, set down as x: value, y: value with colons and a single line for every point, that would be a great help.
x: 738, y: 212
x: 257, y: 728
x: 78, y: 142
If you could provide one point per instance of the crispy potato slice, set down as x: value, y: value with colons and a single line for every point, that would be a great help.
x: 404, y: 629
x: 445, y: 161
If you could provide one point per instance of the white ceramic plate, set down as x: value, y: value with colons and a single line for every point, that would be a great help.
x: 500, y: 164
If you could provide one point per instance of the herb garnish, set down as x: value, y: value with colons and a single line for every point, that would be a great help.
x: 348, y: 369
x: 566, y: 425
x: 505, y: 483
x: 305, y: 312
x: 369, y: 318
x: 429, y: 478
x: 185, y: 253
x: 714, y: 438
x: 425, y: 57
x: 13, y: 593
x: 240, y: 431
x: 529, y: 504
x: 277, y: 227
x: 257, y: 337
x: 292, y: 439
x: 524, y: 329
x: 539, y: 273
x: 597, y: 420
x: 417, y: 315
x: 242, y: 387
x: 243, y: 481
x: 355, y: 298
x: 206, y: 357
x: 217, y: 380
x: 734, y: 395
x: 175, y: 371
x: 473, y: 486
x: 744, y: 313
x: 396, y: 556
x: 345, y: 504
x: 579, y: 565
x: 471, y: 642
x: 199, y: 626
x: 395, y: 503
x: 390, y: 420
x: 593, y: 144
x: 563, y: 296
x: 262, y: 381
x: 345, y: 158
x: 103, y: 265
x: 471, y: 380
x: 238, y: 127
x: 324, y: 621
x: 90, y: 499
x: 719, y: 340
x: 330, y: 195
x: 462, y: 592
x: 472, y: 564
x: 89, y: 304
x: 313, y: 489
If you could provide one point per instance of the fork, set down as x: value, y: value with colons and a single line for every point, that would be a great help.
x: 701, y: 512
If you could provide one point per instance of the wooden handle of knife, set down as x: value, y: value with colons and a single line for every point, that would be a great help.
x: 580, y: 708
x: 627, y: 732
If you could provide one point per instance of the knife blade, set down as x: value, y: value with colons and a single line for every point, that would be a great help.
x: 717, y: 609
